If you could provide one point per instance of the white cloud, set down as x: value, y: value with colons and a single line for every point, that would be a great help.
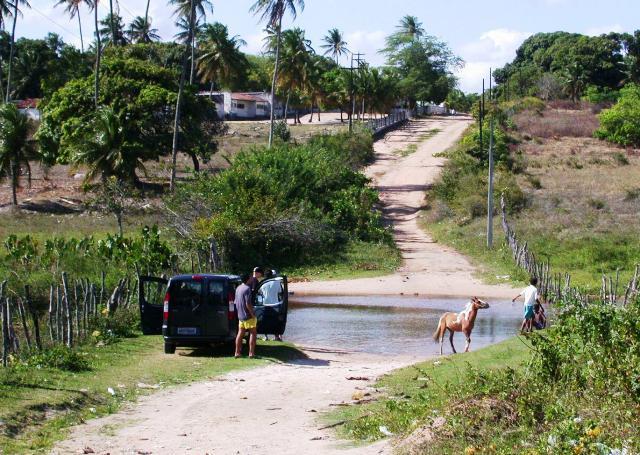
x: 493, y: 49
x: 367, y: 43
x: 255, y: 43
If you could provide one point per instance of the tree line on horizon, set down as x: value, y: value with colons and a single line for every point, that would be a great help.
x: 128, y: 97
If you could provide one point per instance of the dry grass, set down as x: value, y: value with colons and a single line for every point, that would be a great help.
x: 580, y: 184
x: 557, y: 123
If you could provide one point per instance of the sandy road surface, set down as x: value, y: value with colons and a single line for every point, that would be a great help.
x: 428, y: 268
x: 270, y: 410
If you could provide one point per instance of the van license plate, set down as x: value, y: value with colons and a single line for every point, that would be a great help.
x: 187, y: 331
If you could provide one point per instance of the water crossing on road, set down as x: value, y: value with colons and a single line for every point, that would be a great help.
x: 392, y: 325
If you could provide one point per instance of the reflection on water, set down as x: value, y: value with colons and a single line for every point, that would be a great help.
x: 392, y: 325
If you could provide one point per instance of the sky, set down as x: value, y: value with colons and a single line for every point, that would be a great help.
x: 485, y: 34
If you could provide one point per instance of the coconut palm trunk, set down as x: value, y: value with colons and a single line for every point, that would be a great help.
x: 176, y: 121
x: 12, y: 49
x: 146, y: 15
x: 15, y: 170
x: 98, y: 52
x: 275, y: 81
x: 112, y: 24
x: 80, y: 28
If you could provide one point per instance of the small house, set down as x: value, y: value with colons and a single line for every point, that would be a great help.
x: 242, y: 106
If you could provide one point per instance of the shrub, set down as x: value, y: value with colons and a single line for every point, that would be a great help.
x: 124, y: 323
x: 621, y: 123
x: 60, y: 357
x: 621, y: 159
x: 281, y: 131
x: 285, y: 204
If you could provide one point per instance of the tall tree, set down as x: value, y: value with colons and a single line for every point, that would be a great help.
x: 335, y: 45
x: 409, y: 30
x: 72, y: 7
x: 183, y: 11
x: 272, y: 12
x: 103, y: 149
x: 112, y: 31
x: 140, y: 31
x: 15, y: 14
x: 189, y: 15
x: 96, y: 95
x: 295, y: 61
x: 221, y: 61
x: 15, y: 148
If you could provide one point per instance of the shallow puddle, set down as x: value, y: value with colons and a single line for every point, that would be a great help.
x: 392, y: 325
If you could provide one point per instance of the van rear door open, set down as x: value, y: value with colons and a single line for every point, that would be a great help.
x: 271, y: 305
x: 151, y: 293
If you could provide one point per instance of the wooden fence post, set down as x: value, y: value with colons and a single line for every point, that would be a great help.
x: 23, y: 321
x: 67, y: 310
x: 5, y: 332
x: 34, y: 317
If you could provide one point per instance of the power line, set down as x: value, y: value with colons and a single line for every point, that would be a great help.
x: 54, y: 22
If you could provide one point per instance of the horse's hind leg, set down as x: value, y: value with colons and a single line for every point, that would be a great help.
x: 466, y: 347
x: 442, y: 339
x: 451, y: 341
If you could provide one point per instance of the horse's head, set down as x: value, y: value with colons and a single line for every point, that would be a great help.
x: 479, y: 304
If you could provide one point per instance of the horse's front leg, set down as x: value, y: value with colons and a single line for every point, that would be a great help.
x: 451, y: 341
x: 468, y: 337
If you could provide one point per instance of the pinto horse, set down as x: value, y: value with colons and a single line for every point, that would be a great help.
x: 459, y: 322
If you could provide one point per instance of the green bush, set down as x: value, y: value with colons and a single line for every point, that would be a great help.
x: 621, y: 123
x: 285, y: 204
x: 60, y: 357
x: 600, y: 95
x: 281, y: 131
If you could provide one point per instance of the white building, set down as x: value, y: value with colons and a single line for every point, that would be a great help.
x: 242, y: 106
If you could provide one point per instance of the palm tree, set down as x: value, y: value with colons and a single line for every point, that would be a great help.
x: 93, y: 4
x: 295, y: 61
x: 72, y: 7
x: 335, y: 44
x: 112, y: 31
x: 6, y: 7
x: 221, y: 59
x: 184, y: 12
x: 272, y: 12
x: 190, y: 17
x: 15, y: 148
x: 409, y: 30
x: 102, y: 148
x: 14, y: 13
x: 140, y: 31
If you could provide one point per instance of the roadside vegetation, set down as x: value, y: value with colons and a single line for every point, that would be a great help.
x: 570, y: 389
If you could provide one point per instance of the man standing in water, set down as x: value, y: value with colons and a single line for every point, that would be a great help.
x: 530, y: 294
x: 246, y: 316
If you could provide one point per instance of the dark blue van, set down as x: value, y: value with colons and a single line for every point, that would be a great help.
x: 196, y: 310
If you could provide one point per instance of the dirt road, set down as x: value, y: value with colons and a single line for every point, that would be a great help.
x: 270, y: 410
x: 274, y: 410
x: 428, y: 268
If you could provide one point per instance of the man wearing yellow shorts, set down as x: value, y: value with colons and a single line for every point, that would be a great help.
x: 247, y: 317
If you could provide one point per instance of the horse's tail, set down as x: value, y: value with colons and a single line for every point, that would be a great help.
x: 438, y: 333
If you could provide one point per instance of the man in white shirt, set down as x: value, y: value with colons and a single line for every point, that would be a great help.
x: 530, y: 294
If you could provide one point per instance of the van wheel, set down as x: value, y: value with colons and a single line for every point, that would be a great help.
x: 169, y: 348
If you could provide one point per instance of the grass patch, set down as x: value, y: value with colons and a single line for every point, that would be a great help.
x: 37, y: 405
x: 414, y: 394
x: 585, y: 255
x: 357, y: 260
x: 412, y: 148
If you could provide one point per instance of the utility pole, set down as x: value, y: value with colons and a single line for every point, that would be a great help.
x: 357, y: 57
x: 481, y: 118
x: 490, y: 190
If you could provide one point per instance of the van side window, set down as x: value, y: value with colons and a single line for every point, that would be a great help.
x: 186, y: 292
x: 215, y: 294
